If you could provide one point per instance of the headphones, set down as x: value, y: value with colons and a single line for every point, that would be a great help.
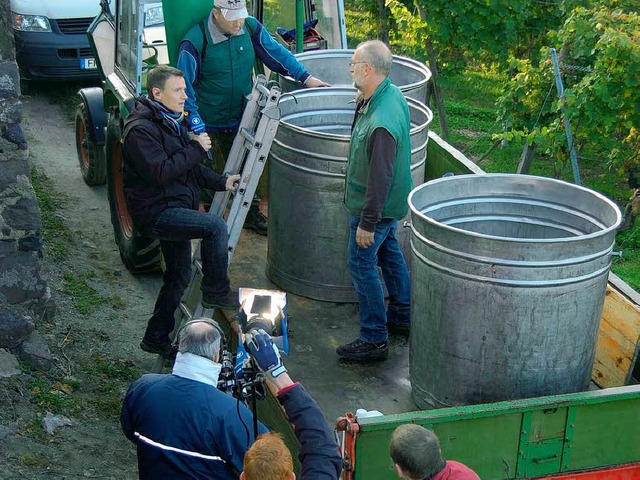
x: 208, y: 321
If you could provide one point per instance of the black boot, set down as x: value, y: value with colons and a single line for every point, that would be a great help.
x: 255, y: 220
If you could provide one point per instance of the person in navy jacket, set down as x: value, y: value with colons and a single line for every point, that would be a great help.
x: 268, y: 457
x: 184, y: 427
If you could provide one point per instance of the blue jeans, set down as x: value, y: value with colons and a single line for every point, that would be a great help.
x: 385, y: 252
x: 175, y: 227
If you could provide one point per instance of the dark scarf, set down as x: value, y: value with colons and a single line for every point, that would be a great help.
x: 173, y: 118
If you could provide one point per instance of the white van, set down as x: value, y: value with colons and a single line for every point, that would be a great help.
x: 51, y: 39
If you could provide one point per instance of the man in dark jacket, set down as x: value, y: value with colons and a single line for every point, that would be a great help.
x: 268, y: 457
x: 217, y: 56
x: 163, y: 173
x: 184, y: 427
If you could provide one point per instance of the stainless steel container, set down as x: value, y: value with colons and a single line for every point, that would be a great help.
x: 308, y: 222
x: 332, y: 66
x: 509, y: 274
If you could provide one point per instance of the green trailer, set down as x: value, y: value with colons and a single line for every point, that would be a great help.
x: 555, y: 435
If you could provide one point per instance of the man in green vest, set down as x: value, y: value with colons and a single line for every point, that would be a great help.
x: 217, y: 57
x: 378, y: 182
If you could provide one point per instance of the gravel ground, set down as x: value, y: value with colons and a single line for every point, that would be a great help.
x: 95, y: 343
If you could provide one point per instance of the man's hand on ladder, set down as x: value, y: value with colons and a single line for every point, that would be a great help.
x: 232, y: 182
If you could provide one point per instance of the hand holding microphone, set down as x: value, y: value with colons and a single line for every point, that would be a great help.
x: 203, y: 139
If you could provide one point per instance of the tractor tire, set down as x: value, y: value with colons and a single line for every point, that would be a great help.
x: 91, y: 157
x: 139, y: 254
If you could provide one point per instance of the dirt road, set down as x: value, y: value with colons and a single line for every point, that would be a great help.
x: 96, y: 352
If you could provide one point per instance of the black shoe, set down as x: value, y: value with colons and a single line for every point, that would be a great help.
x: 166, y: 350
x: 255, y: 220
x: 228, y: 302
x: 398, y: 329
x: 361, y: 351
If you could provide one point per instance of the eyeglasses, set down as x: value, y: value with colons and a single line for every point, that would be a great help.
x: 352, y: 63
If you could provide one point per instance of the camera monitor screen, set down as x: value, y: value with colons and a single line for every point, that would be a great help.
x: 261, y: 304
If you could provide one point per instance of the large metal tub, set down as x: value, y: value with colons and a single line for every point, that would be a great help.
x: 332, y: 66
x: 308, y: 222
x: 508, y: 283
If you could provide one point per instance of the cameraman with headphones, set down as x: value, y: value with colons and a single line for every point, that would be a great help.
x: 184, y: 427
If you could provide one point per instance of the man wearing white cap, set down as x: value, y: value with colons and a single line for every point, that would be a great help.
x: 217, y: 57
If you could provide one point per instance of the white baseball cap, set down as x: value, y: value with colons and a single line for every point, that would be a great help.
x: 232, y: 9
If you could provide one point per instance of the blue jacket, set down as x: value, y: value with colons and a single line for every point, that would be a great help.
x: 185, y: 428
x: 318, y: 452
x: 228, y: 54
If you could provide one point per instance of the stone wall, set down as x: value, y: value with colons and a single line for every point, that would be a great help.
x: 22, y: 288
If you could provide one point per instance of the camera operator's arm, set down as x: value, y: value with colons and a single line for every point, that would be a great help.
x: 318, y: 453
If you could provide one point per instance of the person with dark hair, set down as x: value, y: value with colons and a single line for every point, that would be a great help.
x: 217, y: 56
x: 377, y: 184
x: 416, y: 455
x: 268, y: 458
x: 183, y: 426
x: 163, y: 173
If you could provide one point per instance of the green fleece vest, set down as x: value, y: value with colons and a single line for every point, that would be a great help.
x: 225, y: 75
x: 386, y: 109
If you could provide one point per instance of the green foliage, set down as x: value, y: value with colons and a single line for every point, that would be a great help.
x: 361, y: 26
x: 275, y: 16
x: 601, y: 64
x: 51, y: 396
x: 109, y: 377
x: 410, y: 32
x: 472, y: 119
x: 487, y: 31
x: 121, y: 369
x: 85, y: 297
x: 35, y: 460
x: 626, y: 265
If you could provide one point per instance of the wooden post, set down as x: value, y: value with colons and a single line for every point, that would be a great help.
x: 526, y: 158
x: 436, y: 92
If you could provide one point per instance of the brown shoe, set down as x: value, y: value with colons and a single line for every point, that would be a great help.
x: 228, y: 302
x: 166, y: 350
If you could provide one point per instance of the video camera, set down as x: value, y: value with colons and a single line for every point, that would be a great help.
x: 259, y: 309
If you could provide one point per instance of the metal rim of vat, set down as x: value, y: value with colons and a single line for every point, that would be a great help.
x: 559, y: 183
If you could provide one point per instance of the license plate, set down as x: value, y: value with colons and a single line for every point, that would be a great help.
x: 88, y: 64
